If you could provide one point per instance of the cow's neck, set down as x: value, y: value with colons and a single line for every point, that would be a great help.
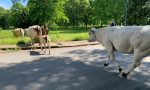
x: 100, y: 34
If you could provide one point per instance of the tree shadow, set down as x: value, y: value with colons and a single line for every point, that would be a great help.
x: 78, y: 72
x: 98, y: 56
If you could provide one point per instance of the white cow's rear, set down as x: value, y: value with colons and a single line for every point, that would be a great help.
x: 18, y: 32
x: 125, y: 39
x: 32, y: 32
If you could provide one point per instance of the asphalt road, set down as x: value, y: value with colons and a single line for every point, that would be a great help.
x: 72, y: 68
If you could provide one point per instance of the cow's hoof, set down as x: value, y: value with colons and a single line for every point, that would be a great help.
x: 120, y: 69
x: 106, y: 64
x: 124, y: 75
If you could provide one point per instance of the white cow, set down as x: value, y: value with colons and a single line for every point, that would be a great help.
x: 18, y: 32
x: 32, y: 32
x: 125, y: 39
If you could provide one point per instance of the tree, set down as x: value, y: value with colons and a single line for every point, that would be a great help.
x: 116, y: 11
x: 147, y: 10
x: 4, y: 18
x: 19, y: 15
x: 138, y: 12
x: 86, y: 15
x: 106, y: 10
x: 100, y: 10
x: 45, y: 11
x: 78, y: 12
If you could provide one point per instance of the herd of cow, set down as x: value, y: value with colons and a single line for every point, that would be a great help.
x: 35, y: 31
x: 126, y: 39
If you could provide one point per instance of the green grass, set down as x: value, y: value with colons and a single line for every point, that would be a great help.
x: 56, y: 35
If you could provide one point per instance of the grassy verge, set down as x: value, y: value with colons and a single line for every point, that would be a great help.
x: 56, y: 35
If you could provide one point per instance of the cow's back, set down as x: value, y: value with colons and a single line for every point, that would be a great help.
x: 18, y: 32
x: 31, y: 32
x: 126, y: 38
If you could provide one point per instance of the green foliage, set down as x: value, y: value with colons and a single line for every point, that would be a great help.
x: 45, y: 11
x: 79, y: 12
x: 6, y: 37
x: 21, y: 42
x: 117, y: 11
x: 6, y: 34
x: 106, y: 10
x: 20, y: 15
x: 12, y: 41
x: 74, y: 13
x: 139, y: 12
x: 56, y: 35
x: 4, y: 18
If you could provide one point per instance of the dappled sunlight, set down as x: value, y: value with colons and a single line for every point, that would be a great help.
x: 59, y: 73
x: 14, y: 87
x: 99, y: 56
x: 76, y: 69
x: 88, y: 57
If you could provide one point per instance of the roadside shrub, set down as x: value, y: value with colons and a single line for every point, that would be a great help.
x: 21, y: 42
x: 78, y: 38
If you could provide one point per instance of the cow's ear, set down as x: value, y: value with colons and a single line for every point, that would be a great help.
x: 92, y: 29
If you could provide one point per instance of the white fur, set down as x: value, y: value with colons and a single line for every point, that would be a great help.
x: 18, y: 32
x: 125, y: 39
x: 31, y: 32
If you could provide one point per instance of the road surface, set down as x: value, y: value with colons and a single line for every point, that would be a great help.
x: 72, y: 68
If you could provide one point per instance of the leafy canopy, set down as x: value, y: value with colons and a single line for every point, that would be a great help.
x: 45, y: 11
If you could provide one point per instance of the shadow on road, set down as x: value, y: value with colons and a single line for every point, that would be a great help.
x: 34, y: 53
x: 82, y: 71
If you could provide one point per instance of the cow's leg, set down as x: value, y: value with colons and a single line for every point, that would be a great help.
x: 48, y: 43
x: 138, y: 56
x: 135, y: 64
x: 33, y: 46
x: 40, y: 44
x: 112, y: 58
x: 31, y: 41
x: 44, y: 47
x: 41, y: 47
x: 107, y: 62
x: 110, y: 53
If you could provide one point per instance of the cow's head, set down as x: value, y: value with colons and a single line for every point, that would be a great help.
x: 92, y: 36
x: 38, y: 29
